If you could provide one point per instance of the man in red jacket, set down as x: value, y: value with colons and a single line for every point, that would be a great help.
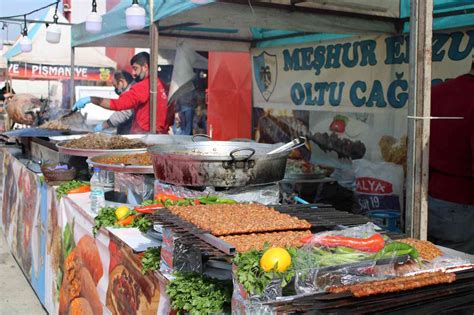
x: 451, y: 179
x: 138, y: 99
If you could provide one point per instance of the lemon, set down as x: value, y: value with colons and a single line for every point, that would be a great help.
x: 122, y: 212
x: 275, y: 257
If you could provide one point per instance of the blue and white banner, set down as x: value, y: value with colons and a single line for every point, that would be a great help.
x: 348, y: 96
x: 359, y: 74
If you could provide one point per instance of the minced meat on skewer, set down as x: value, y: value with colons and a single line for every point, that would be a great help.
x: 395, y: 284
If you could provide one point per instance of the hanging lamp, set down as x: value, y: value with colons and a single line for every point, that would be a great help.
x: 94, y: 20
x: 25, y: 43
x: 135, y: 16
x: 53, y: 32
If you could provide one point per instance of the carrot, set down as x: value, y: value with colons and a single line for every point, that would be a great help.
x: 127, y: 221
x: 82, y: 189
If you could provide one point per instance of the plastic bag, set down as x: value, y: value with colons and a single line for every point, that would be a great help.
x: 326, y: 261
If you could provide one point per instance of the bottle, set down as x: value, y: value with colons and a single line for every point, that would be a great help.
x: 97, y: 192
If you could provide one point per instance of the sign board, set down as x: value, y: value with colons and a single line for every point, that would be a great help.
x: 58, y: 72
x: 349, y: 95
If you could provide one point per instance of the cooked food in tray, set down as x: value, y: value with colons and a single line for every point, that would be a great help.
x: 248, y: 242
x: 395, y: 284
x: 55, y: 125
x: 129, y: 159
x: 104, y: 142
x: 428, y: 251
x: 238, y: 218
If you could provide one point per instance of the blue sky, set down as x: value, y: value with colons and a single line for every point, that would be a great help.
x: 14, y: 7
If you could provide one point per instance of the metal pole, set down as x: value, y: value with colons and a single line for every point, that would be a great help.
x: 419, y: 105
x: 153, y: 69
x: 71, y: 82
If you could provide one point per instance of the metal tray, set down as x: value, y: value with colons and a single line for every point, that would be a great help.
x: 149, y: 139
x: 122, y: 168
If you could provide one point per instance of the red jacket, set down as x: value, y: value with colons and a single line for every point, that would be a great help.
x: 452, y: 141
x: 138, y: 99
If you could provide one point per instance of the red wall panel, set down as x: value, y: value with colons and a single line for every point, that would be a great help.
x: 229, y: 95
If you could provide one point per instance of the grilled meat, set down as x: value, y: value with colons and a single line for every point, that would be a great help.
x: 427, y: 250
x: 229, y: 219
x: 395, y: 284
x: 248, y: 242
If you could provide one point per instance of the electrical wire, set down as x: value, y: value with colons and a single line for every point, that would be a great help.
x: 31, y: 12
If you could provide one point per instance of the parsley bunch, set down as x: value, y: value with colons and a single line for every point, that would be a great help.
x: 253, y: 278
x: 197, y: 294
x: 151, y: 259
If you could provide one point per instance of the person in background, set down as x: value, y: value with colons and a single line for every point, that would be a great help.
x: 183, y: 123
x: 6, y: 91
x: 451, y: 178
x: 138, y: 99
x: 121, y: 120
x: 200, y: 120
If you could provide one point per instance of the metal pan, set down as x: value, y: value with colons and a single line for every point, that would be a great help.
x: 218, y: 163
x: 148, y: 139
x: 121, y: 168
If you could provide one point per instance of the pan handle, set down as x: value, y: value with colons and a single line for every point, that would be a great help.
x: 200, y: 135
x: 234, y: 158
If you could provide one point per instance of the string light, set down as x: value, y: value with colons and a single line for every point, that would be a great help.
x: 135, y: 16
x: 53, y: 33
x: 25, y: 43
x: 94, y: 20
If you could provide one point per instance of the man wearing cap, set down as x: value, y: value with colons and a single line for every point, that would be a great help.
x: 138, y: 99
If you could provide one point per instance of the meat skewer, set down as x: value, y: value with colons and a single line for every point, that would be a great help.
x: 396, y: 284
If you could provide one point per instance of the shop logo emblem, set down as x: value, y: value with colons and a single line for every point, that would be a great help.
x: 265, y: 73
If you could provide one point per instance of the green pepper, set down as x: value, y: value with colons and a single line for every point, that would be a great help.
x: 345, y: 250
x: 226, y: 201
x: 397, y: 247
x: 212, y: 198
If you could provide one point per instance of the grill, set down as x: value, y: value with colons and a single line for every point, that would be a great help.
x: 427, y: 300
x: 212, y: 247
x: 321, y: 216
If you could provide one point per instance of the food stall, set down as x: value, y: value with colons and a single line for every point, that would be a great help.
x: 97, y: 263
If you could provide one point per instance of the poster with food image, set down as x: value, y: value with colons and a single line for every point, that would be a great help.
x: 129, y: 291
x: 22, y: 221
x: 77, y: 262
x: 340, y: 138
x: 20, y: 210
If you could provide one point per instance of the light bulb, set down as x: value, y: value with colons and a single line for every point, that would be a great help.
x: 94, y: 23
x: 25, y: 44
x: 53, y: 34
x: 135, y: 17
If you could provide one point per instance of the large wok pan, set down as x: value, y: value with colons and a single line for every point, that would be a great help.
x: 218, y: 163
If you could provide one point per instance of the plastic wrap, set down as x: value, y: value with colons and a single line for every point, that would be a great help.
x: 137, y: 187
x: 243, y: 303
x: 319, y: 265
x: 180, y: 191
x: 267, y: 194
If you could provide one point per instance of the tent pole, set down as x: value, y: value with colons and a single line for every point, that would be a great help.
x: 153, y: 69
x: 419, y: 106
x: 71, y: 82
